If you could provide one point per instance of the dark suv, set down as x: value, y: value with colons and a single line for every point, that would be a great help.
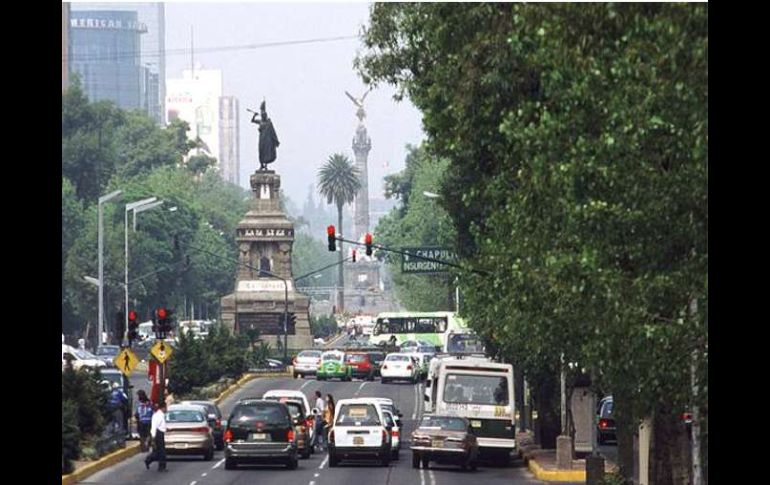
x: 376, y: 359
x: 605, y: 427
x: 260, y: 431
x: 360, y: 365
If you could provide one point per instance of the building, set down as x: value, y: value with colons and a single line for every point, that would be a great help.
x: 197, y: 99
x: 65, y: 45
x: 147, y: 58
x: 229, y: 152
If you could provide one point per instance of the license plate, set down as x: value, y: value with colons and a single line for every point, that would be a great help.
x: 437, y: 444
x: 475, y: 423
x: 257, y: 436
x: 358, y: 440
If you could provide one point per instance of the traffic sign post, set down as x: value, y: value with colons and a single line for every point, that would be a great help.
x: 161, y: 351
x: 126, y: 361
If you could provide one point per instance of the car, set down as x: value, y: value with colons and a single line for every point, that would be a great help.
x: 300, y: 396
x: 417, y: 346
x: 359, y: 431
x: 260, y: 431
x: 399, y: 366
x: 306, y: 363
x: 108, y: 353
x: 360, y: 365
x: 605, y: 427
x: 395, y: 433
x: 444, y: 439
x: 376, y: 358
x: 333, y: 366
x: 422, y: 359
x: 387, y: 405
x: 302, y: 424
x: 214, y: 418
x: 188, y: 431
x: 80, y: 358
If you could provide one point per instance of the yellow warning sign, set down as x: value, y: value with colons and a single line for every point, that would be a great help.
x: 126, y: 361
x: 161, y: 351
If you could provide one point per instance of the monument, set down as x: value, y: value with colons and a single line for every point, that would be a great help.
x: 264, y: 284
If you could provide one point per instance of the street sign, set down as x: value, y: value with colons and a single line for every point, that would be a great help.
x: 412, y: 264
x: 161, y: 351
x: 126, y: 361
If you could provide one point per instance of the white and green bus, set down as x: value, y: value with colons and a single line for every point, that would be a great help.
x: 444, y: 330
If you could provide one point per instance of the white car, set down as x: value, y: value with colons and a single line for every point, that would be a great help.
x: 80, y: 358
x: 359, y: 432
x: 307, y: 363
x: 298, y: 396
x: 399, y: 367
x: 395, y: 433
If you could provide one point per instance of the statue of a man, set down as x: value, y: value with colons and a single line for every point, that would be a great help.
x: 268, y: 140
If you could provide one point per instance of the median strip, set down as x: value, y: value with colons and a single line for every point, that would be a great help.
x: 555, y: 475
x: 100, y: 464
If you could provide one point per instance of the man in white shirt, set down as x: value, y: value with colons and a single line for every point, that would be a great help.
x: 158, y: 433
x: 319, y: 435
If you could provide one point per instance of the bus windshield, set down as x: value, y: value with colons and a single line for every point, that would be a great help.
x: 411, y: 325
x: 464, y: 342
x: 475, y: 389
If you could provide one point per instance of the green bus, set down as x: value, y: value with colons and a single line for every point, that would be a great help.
x: 443, y: 330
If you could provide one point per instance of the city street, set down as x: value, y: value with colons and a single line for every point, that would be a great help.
x: 315, y: 471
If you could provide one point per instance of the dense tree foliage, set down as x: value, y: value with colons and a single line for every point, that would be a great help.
x: 578, y: 142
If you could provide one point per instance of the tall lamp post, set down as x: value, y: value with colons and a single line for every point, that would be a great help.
x: 140, y: 205
x: 112, y: 196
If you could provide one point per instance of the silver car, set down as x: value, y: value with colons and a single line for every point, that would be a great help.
x: 188, y: 431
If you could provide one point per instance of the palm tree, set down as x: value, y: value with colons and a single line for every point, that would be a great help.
x: 338, y: 181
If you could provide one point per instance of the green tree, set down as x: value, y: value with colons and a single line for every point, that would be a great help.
x: 577, y: 137
x: 338, y: 182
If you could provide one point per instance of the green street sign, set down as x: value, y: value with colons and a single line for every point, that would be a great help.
x: 413, y: 264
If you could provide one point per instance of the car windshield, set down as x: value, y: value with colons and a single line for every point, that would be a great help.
x: 210, y: 409
x: 309, y: 353
x: 447, y: 423
x: 295, y: 407
x: 332, y: 357
x: 184, y: 416
x: 108, y: 351
x: 464, y: 342
x: 475, y: 389
x: 398, y: 358
x: 358, y: 415
x: 607, y: 409
x: 356, y: 358
x: 270, y: 414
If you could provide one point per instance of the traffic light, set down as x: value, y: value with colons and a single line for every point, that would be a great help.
x: 163, y: 321
x: 133, y: 325
x: 120, y: 326
x: 368, y: 242
x: 354, y: 255
x: 332, y: 240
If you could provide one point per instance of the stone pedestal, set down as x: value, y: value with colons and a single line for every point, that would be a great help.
x: 265, y: 237
x: 563, y: 452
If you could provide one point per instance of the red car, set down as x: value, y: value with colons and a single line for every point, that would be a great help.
x: 360, y: 365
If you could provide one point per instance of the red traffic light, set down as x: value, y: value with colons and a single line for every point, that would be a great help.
x: 330, y: 231
x: 368, y: 242
x: 162, y: 313
x: 131, y: 315
x: 354, y: 255
x: 332, y: 240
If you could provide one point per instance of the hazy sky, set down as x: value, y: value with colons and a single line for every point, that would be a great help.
x: 304, y: 85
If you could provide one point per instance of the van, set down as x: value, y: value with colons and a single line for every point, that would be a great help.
x: 80, y: 358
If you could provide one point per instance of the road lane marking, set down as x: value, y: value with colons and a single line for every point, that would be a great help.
x: 422, y: 476
x: 204, y: 474
x: 218, y: 464
x: 416, y: 402
x: 321, y: 466
x: 193, y: 483
x: 305, y: 384
x: 432, y: 477
x: 316, y: 475
x: 360, y: 387
x: 311, y: 483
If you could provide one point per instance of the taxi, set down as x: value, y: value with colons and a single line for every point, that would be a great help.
x: 333, y: 366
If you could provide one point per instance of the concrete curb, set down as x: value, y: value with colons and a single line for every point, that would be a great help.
x: 555, y: 475
x: 100, y: 464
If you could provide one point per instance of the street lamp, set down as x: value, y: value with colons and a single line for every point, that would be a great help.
x: 112, y: 196
x: 132, y: 207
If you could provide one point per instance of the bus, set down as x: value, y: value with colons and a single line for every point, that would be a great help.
x: 430, y: 327
x: 480, y: 390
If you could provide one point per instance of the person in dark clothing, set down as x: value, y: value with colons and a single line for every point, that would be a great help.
x: 158, y: 432
x: 143, y: 416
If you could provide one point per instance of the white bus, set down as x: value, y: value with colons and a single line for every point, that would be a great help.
x: 430, y: 327
x: 481, y: 391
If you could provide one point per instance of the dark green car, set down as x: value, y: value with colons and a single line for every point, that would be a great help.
x: 333, y: 366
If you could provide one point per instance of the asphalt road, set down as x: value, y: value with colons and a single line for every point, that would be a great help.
x: 315, y: 470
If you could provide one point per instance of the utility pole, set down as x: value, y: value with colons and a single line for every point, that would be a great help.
x: 697, y: 472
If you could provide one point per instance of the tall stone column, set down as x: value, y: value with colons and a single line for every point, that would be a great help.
x: 361, y: 146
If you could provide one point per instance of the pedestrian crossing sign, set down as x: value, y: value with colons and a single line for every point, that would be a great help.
x: 126, y: 361
x: 161, y: 351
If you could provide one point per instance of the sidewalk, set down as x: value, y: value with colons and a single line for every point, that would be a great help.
x: 542, y: 463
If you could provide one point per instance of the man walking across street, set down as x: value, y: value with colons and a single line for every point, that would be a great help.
x: 319, y: 424
x: 143, y: 420
x: 158, y: 432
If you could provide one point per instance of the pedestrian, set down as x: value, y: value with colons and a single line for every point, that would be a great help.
x: 328, y: 417
x: 118, y: 403
x: 143, y: 419
x: 319, y: 425
x: 158, y: 433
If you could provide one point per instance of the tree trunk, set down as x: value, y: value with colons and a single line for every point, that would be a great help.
x: 625, y: 432
x: 548, y: 425
x: 518, y: 390
x: 669, y: 457
x: 340, y: 257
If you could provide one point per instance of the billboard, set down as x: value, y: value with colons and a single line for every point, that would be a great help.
x: 195, y: 99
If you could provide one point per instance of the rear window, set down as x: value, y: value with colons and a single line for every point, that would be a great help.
x: 607, y: 409
x: 476, y: 389
x: 443, y: 422
x: 356, y: 358
x: 184, y: 416
x: 375, y: 357
x: 398, y: 358
x: 270, y: 414
x: 309, y: 353
x: 358, y: 415
x: 295, y: 407
x: 332, y: 357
